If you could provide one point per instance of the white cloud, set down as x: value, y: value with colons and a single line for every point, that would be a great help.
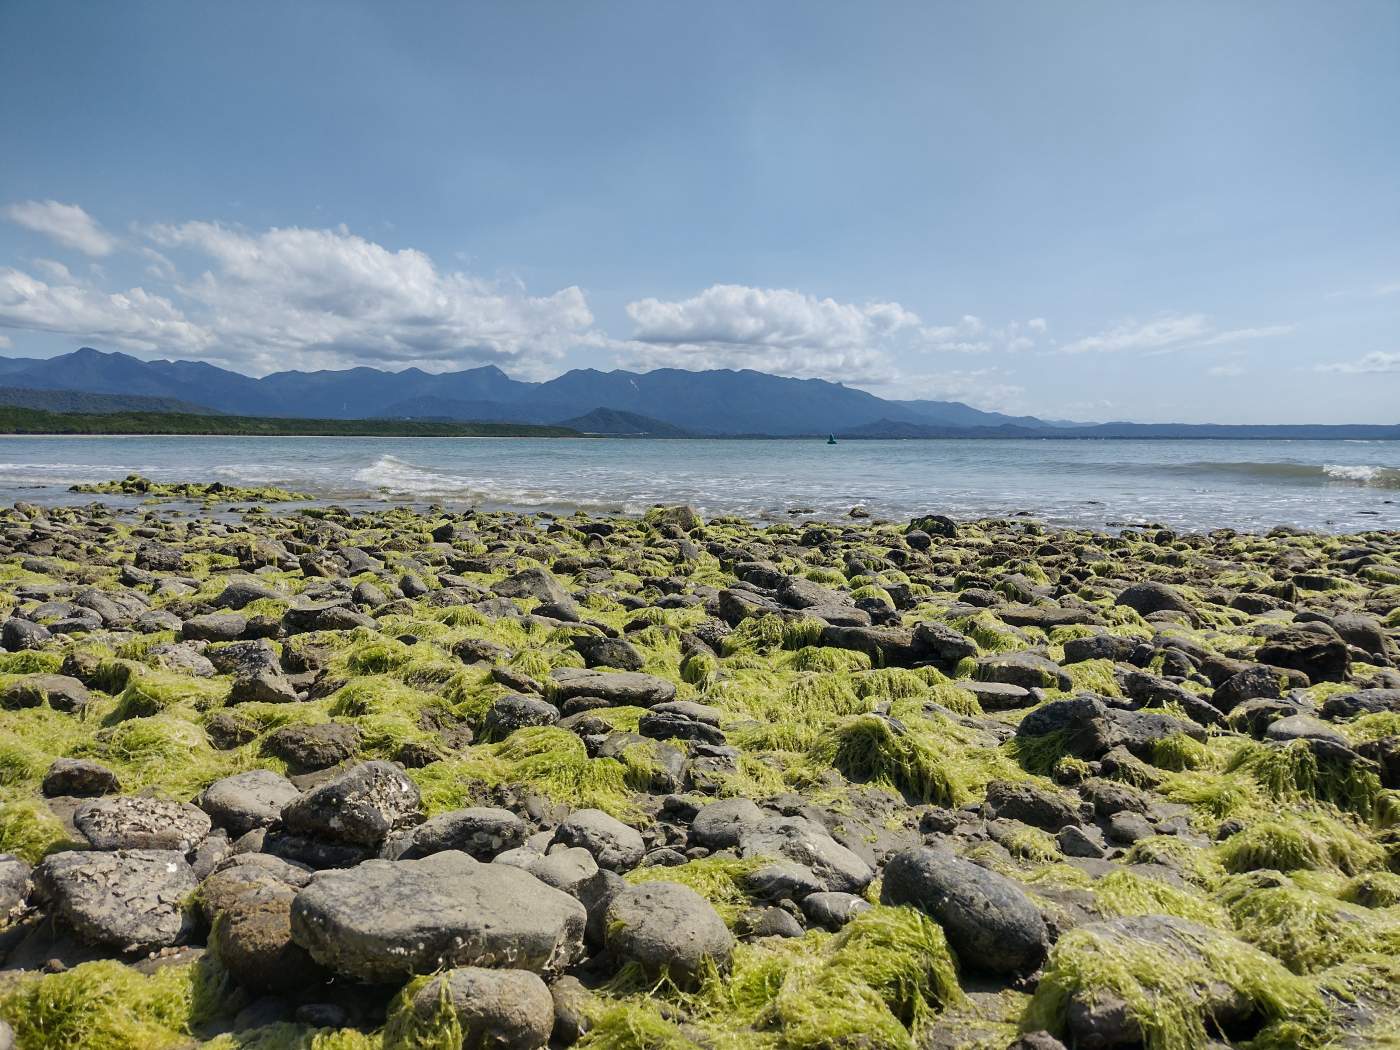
x: 1378, y: 361
x: 5, y: 343
x: 335, y: 299
x: 135, y: 319
x: 1169, y: 334
x: 67, y: 224
x: 1226, y: 371
x: 984, y: 388
x: 755, y: 320
x: 1163, y: 331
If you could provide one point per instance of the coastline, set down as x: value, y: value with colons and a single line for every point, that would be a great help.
x: 815, y: 745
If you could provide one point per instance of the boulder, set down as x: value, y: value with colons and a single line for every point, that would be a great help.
x: 1150, y: 597
x: 990, y: 922
x: 618, y: 688
x: 360, y: 807
x: 79, y: 778
x: 138, y: 822
x: 499, y: 1009
x: 129, y: 900
x: 1314, y: 648
x: 483, y: 832
x: 669, y: 929
x: 384, y: 921
x: 245, y: 801
x: 832, y: 866
x: 612, y: 844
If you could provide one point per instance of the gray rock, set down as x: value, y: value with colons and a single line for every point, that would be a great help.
x: 253, y: 940
x: 262, y: 685
x: 17, y: 635
x: 1304, y: 727
x: 617, y: 653
x: 137, y: 822
x: 1150, y: 597
x: 500, y: 1009
x: 483, y: 832
x: 801, y: 842
x: 1314, y: 648
x: 320, y: 745
x: 618, y: 688
x: 718, y: 825
x: 80, y: 778
x: 59, y: 691
x: 513, y: 712
x: 130, y: 900
x: 14, y: 886
x: 831, y: 911
x: 1245, y: 685
x: 359, y: 807
x: 384, y: 921
x: 1026, y: 669
x: 1342, y: 707
x: 1038, y: 807
x: 613, y: 844
x: 214, y: 627
x: 990, y: 922
x: 244, y: 590
x: 245, y: 801
x: 669, y: 929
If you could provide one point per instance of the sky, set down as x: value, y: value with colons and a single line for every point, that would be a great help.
x: 1078, y: 210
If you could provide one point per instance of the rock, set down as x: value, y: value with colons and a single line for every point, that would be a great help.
x: 14, y: 887
x: 1075, y: 841
x: 942, y: 643
x: 770, y: 921
x: 669, y: 929
x: 1099, y: 647
x: 833, y: 867
x: 245, y: 801
x: 617, y: 653
x: 60, y: 692
x: 136, y: 822
x: 483, y: 832
x: 1029, y: 804
x: 990, y: 922
x: 1125, y: 828
x: 719, y: 825
x: 500, y: 1009
x: 618, y: 688
x: 265, y: 686
x: 310, y: 747
x: 513, y: 712
x: 831, y: 911
x: 253, y: 940
x: 17, y: 635
x: 1313, y: 648
x: 533, y: 583
x: 359, y: 807
x: 128, y: 900
x: 998, y: 696
x: 241, y: 591
x: 1342, y: 707
x: 1246, y: 685
x: 214, y: 627
x: 80, y: 778
x: 613, y: 844
x: 1025, y: 669
x: 384, y: 921
x: 1303, y: 727
x: 1149, y: 597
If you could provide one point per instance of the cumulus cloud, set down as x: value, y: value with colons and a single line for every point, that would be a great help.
x: 135, y: 319
x: 347, y: 300
x: 286, y: 298
x: 987, y: 388
x: 772, y: 329
x: 68, y: 224
x: 1378, y: 361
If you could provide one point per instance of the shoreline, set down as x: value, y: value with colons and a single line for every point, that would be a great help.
x: 824, y: 752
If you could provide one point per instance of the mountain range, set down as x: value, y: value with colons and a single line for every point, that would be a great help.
x: 667, y: 402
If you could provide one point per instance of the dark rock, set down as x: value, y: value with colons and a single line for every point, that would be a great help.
x: 668, y: 929
x: 991, y: 924
x: 79, y: 777
x: 128, y: 900
x: 360, y: 807
x: 501, y: 1009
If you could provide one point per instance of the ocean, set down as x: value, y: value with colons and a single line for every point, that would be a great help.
x: 1337, y: 486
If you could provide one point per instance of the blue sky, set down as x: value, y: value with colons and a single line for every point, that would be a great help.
x: 1185, y: 211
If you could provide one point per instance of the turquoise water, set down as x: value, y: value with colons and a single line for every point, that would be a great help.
x: 1332, y: 485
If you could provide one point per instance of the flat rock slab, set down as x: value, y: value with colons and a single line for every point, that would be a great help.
x: 137, y: 822
x: 619, y: 688
x: 132, y: 900
x: 385, y: 921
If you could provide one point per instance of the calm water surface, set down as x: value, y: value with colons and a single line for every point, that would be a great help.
x: 1331, y: 485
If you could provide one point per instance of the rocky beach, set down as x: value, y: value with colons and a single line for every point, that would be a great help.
x: 279, y: 776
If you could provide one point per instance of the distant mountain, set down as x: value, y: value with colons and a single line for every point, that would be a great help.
x: 719, y: 402
x: 85, y: 403
x: 714, y: 402
x: 890, y: 429
x: 613, y: 423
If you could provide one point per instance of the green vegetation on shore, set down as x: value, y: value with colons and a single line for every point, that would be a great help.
x: 32, y: 421
x: 1180, y: 752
